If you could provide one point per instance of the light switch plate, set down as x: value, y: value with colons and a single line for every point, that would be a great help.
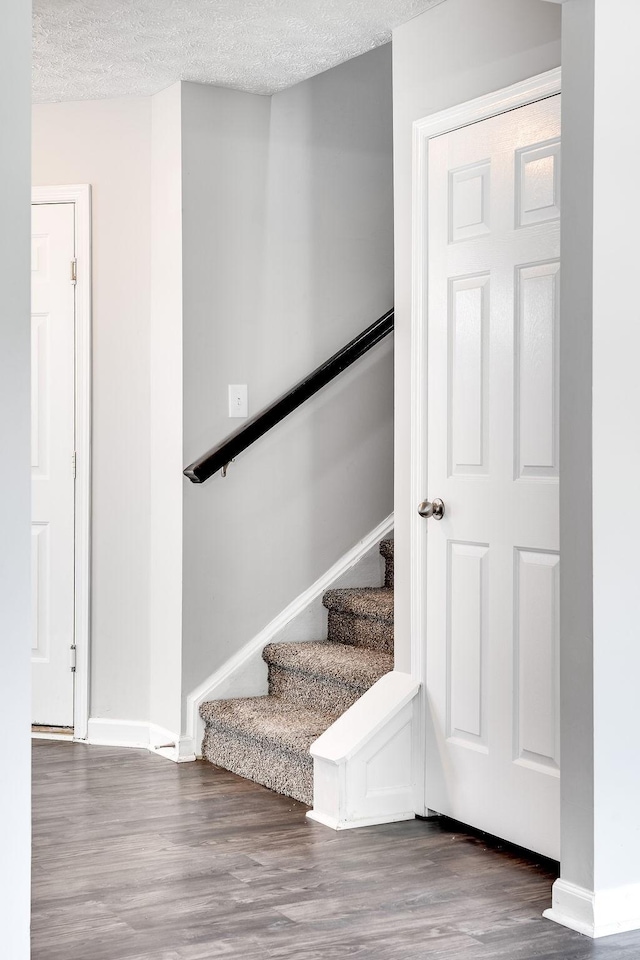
x: 238, y: 400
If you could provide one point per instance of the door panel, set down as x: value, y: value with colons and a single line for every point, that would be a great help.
x: 52, y: 474
x: 492, y: 561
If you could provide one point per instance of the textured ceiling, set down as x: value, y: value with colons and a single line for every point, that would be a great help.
x: 91, y: 49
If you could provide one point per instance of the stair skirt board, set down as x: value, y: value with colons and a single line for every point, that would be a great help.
x: 336, y: 725
x: 245, y: 673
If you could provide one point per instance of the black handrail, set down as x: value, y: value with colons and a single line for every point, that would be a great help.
x: 220, y: 456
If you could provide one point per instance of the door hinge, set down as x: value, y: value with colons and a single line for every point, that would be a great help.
x: 74, y: 457
x: 72, y: 659
x: 74, y: 271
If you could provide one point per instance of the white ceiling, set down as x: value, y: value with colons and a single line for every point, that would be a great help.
x: 92, y: 49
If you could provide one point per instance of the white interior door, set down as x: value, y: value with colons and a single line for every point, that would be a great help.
x: 52, y: 462
x: 492, y: 561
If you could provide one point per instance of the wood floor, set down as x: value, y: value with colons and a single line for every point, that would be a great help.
x: 137, y: 858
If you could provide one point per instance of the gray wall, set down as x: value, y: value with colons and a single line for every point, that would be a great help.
x: 454, y: 52
x: 288, y: 254
x: 15, y: 482
x: 576, y: 531
x: 107, y: 143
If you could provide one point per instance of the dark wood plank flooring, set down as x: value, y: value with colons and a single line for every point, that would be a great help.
x: 137, y: 858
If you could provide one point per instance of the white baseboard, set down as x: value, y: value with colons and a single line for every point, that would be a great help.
x: 117, y: 733
x: 335, y: 824
x: 366, y: 765
x: 245, y: 674
x: 595, y: 913
x: 180, y: 751
x: 68, y: 737
x: 138, y: 734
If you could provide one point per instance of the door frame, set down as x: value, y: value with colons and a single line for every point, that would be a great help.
x: 521, y: 94
x: 80, y: 196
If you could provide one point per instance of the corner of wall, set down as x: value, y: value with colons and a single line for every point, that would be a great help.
x: 15, y: 483
x: 166, y: 389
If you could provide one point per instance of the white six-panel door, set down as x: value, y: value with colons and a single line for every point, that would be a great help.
x: 492, y: 563
x: 52, y: 466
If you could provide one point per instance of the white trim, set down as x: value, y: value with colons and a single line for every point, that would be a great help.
x: 68, y: 737
x: 80, y: 196
x: 138, y: 734
x: 595, y: 914
x: 118, y: 733
x: 218, y: 684
x: 519, y: 95
x: 335, y: 824
x: 501, y: 101
x: 363, y: 721
x: 168, y: 745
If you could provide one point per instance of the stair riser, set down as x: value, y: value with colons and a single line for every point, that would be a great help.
x: 330, y: 696
x: 387, y: 553
x: 360, y: 631
x: 280, y: 770
x: 388, y: 572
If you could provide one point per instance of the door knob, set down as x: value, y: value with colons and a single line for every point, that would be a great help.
x: 435, y: 509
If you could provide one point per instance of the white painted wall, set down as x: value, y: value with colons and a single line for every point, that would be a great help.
x: 15, y: 481
x: 599, y: 889
x: 237, y: 239
x: 107, y: 143
x: 616, y: 446
x: 454, y: 52
x: 288, y: 249
x: 166, y: 414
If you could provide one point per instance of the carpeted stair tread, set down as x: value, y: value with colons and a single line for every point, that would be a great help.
x: 267, y: 738
x: 358, y: 667
x: 270, y: 720
x: 286, y: 772
x: 372, y: 603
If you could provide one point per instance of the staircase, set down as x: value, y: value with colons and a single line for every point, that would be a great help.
x: 267, y: 739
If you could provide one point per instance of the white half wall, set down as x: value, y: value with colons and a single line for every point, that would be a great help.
x: 366, y: 766
x: 15, y: 480
x: 457, y: 51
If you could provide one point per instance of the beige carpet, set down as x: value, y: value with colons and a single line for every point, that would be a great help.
x: 267, y: 739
